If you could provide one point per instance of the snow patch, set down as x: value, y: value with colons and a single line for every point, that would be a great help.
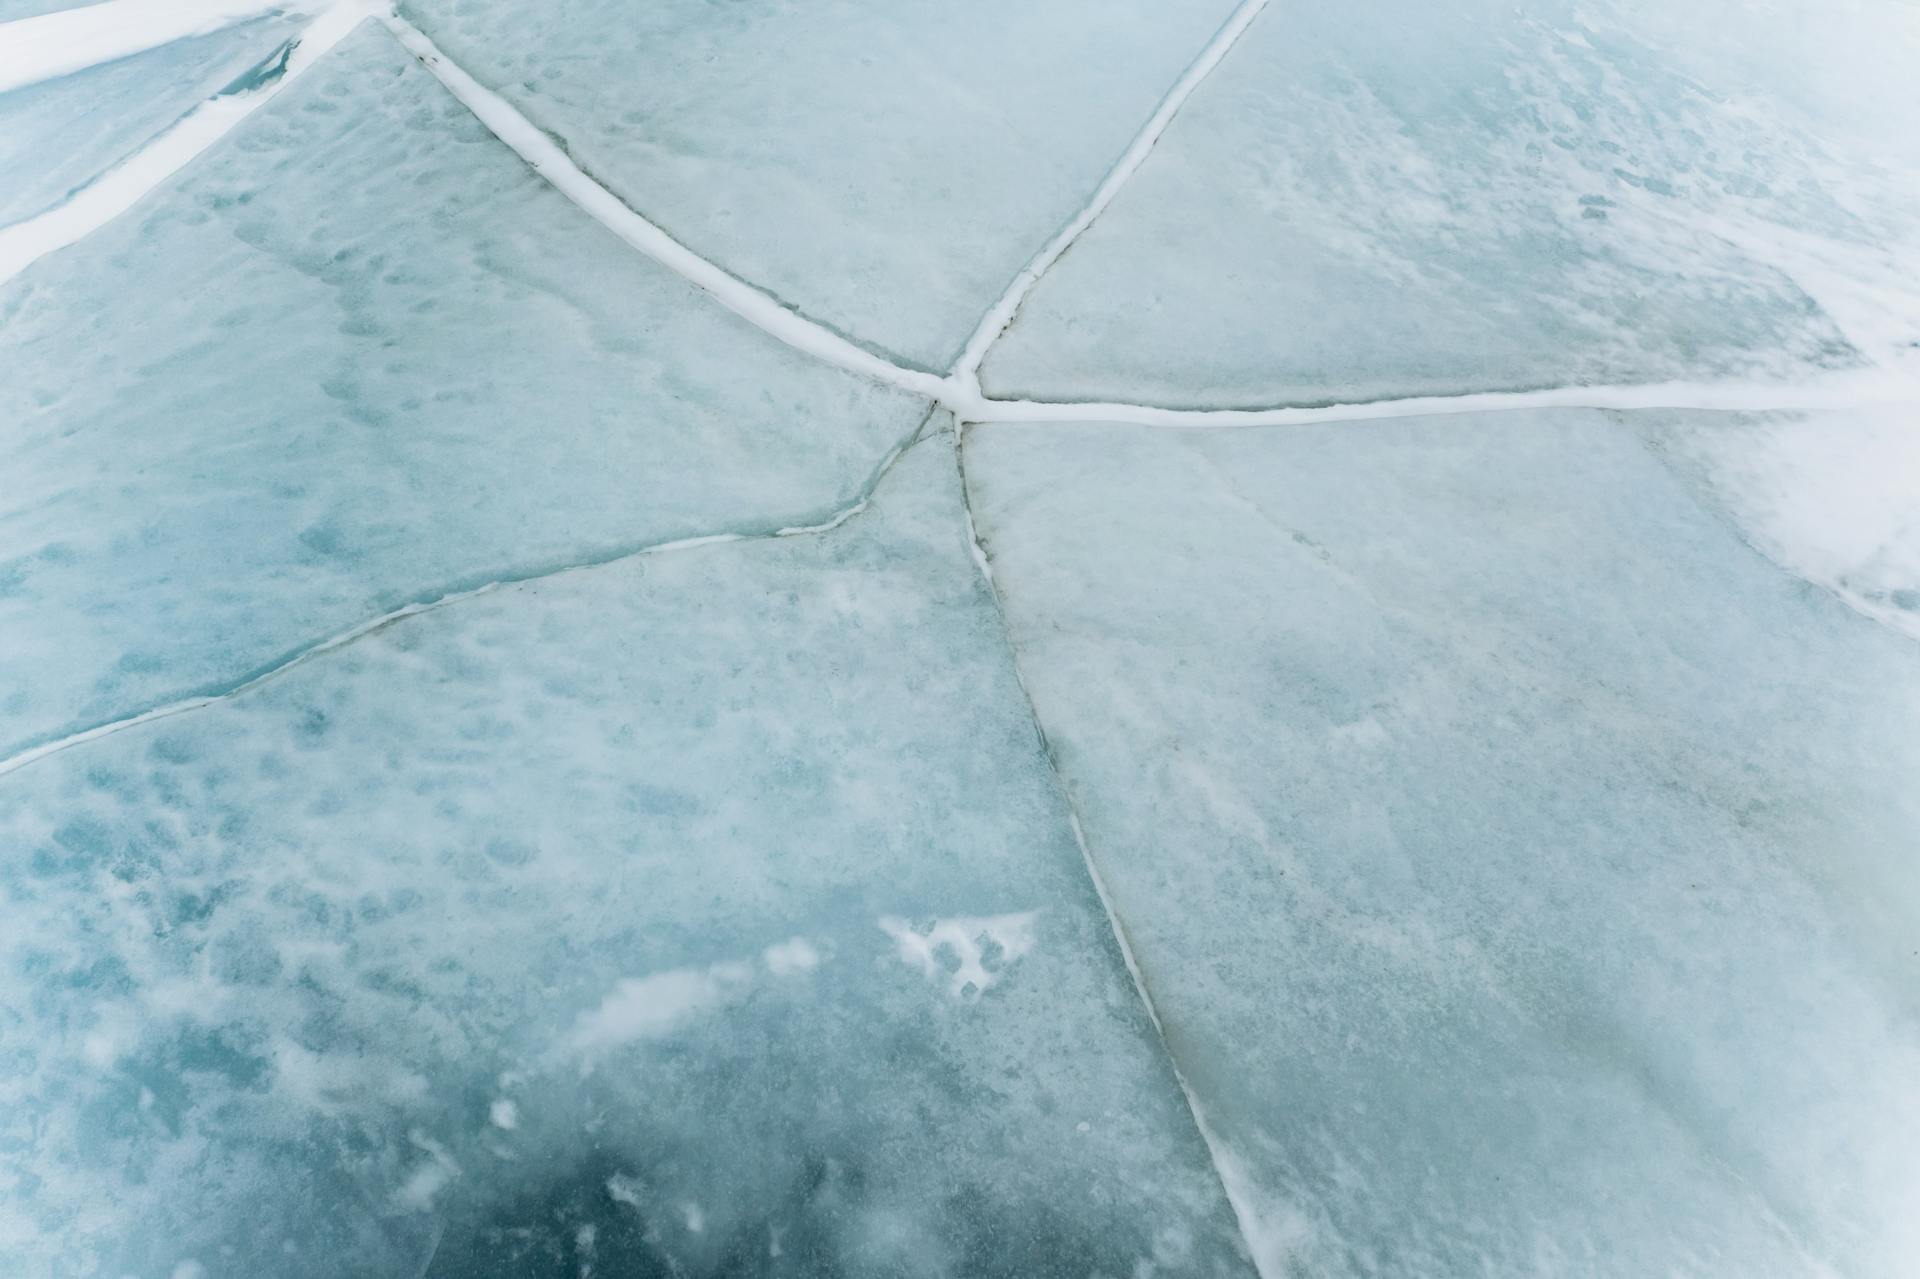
x: 795, y: 955
x: 1829, y: 497
x: 650, y: 1007
x: 429, y: 1177
x: 658, y: 1004
x: 971, y: 951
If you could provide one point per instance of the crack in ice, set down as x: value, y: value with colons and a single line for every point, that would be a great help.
x: 540, y: 151
x: 967, y: 372
x: 334, y: 643
x: 112, y: 193
x: 1234, y: 1185
x: 50, y: 45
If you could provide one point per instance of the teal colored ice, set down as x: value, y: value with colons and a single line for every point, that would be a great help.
x: 712, y: 912
x: 355, y: 358
x: 552, y: 728
x: 1522, y: 865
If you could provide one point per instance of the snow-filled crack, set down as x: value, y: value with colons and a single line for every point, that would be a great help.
x: 967, y: 372
x: 432, y: 603
x: 549, y: 159
x: 49, y: 45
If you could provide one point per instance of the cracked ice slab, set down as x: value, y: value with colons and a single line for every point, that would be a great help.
x: 1522, y: 866
x: 887, y: 166
x: 708, y: 913
x: 357, y: 356
x: 58, y: 135
x: 1408, y: 199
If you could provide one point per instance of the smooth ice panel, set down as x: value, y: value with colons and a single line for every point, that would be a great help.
x: 710, y: 913
x: 887, y: 166
x: 1522, y: 867
x: 58, y: 135
x: 1832, y: 497
x: 1394, y: 199
x: 357, y: 357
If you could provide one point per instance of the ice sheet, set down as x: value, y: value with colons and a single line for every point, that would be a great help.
x: 1522, y: 866
x: 1392, y: 199
x: 356, y: 357
x: 885, y: 165
x: 713, y: 912
x: 58, y: 135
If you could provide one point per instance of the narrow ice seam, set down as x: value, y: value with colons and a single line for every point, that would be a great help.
x: 333, y: 643
x: 967, y: 372
x: 1221, y: 1156
x: 546, y: 157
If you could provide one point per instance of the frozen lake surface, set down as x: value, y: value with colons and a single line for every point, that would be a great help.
x: 906, y: 639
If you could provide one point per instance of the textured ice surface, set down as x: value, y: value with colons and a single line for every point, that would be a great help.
x: 508, y: 772
x: 885, y: 165
x: 1407, y: 198
x: 60, y: 134
x: 1833, y: 497
x: 712, y: 912
x: 355, y: 357
x: 1523, y: 867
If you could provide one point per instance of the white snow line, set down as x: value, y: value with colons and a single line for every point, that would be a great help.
x: 1864, y: 388
x: 967, y: 371
x: 57, y: 44
x: 547, y: 159
x: 121, y: 187
x: 334, y: 642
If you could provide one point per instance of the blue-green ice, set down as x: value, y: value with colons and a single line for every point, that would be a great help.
x: 1034, y: 640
